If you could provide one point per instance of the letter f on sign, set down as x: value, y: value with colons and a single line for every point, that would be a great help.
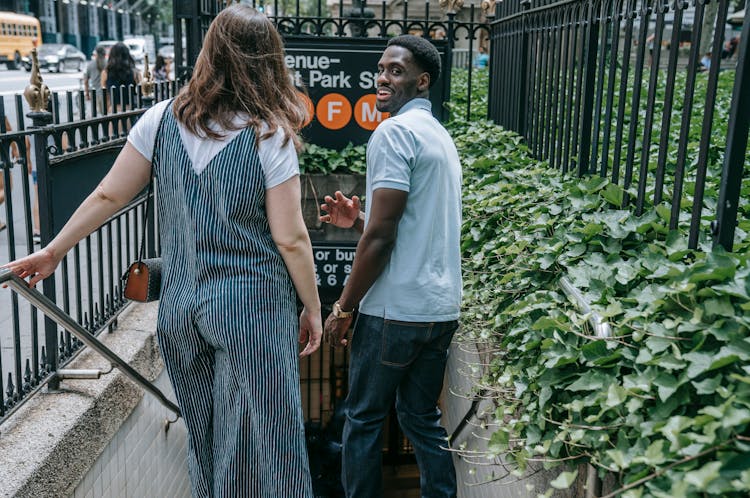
x: 334, y: 108
x: 333, y: 111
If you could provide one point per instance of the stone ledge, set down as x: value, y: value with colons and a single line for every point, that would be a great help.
x: 49, y: 444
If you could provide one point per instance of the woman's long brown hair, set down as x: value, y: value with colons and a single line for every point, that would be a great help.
x: 241, y: 70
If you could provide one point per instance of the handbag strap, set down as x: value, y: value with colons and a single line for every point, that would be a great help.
x: 142, y: 249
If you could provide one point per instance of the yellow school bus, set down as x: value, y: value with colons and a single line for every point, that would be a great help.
x: 18, y: 35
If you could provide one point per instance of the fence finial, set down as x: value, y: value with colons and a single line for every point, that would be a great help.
x: 488, y: 7
x: 147, y: 81
x: 451, y: 5
x: 37, y: 93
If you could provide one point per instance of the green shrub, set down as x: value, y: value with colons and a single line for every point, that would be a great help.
x: 664, y: 404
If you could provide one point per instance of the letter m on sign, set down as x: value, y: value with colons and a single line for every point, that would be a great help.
x: 370, y: 113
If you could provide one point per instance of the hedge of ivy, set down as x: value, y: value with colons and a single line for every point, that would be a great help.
x: 663, y: 404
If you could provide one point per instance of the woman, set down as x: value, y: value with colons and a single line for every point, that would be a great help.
x: 120, y: 71
x: 161, y: 69
x: 234, y: 248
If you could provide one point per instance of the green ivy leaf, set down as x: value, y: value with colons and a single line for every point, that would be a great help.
x: 498, y: 442
x: 564, y: 480
x: 698, y: 363
x: 701, y: 477
x: 708, y: 386
x: 616, y: 396
x: 666, y: 385
x: 613, y: 194
x: 592, y: 380
x: 718, y: 307
x: 654, y: 454
x: 594, y: 350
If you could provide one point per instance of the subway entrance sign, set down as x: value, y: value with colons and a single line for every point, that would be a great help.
x: 339, y: 75
x: 333, y: 263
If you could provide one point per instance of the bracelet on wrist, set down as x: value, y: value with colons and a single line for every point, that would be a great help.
x: 339, y: 313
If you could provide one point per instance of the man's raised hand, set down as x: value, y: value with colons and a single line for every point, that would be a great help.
x: 342, y: 211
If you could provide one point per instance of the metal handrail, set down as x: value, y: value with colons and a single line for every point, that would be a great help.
x: 601, y: 326
x: 52, y: 311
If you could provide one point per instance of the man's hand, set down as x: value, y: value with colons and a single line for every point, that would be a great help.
x: 335, y: 330
x: 342, y: 211
x: 310, y: 330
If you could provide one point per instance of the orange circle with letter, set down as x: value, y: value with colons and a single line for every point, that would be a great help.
x: 367, y: 114
x: 309, y: 106
x: 334, y: 111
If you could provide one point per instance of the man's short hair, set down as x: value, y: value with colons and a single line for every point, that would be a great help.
x: 425, y: 54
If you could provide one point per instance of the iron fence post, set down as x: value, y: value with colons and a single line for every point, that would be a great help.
x: 449, y: 55
x: 521, y: 125
x: 590, y: 55
x: 40, y: 120
x: 734, y: 156
x: 449, y: 58
x: 490, y: 18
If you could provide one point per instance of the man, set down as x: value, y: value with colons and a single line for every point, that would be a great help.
x: 482, y: 59
x: 92, y: 77
x: 406, y: 276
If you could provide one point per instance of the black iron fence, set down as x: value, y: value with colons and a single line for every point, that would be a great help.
x: 52, y: 162
x: 623, y: 89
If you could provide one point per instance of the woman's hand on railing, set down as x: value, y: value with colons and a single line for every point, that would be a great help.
x: 310, y: 330
x: 36, y: 266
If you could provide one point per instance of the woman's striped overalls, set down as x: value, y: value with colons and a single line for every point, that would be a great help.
x: 227, y: 323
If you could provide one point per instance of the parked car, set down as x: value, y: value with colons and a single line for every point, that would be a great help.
x: 137, y: 48
x: 57, y: 57
x: 167, y: 51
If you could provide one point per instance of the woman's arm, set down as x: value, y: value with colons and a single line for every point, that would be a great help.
x: 283, y: 205
x: 104, y: 78
x: 130, y: 173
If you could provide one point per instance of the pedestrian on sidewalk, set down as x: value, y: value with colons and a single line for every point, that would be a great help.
x: 406, y: 277
x: 161, y: 69
x: 234, y: 248
x: 15, y: 156
x: 120, y: 72
x: 92, y: 77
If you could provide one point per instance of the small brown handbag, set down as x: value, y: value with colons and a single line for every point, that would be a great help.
x: 143, y: 278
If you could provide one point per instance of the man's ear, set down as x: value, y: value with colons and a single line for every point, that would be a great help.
x: 423, y: 82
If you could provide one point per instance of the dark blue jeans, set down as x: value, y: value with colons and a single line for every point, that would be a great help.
x: 404, y: 361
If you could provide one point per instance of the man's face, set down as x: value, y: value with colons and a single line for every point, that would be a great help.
x: 399, y: 80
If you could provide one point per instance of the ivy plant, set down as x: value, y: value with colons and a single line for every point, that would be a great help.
x: 664, y: 404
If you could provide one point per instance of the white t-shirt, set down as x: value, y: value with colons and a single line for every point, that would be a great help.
x: 279, y: 161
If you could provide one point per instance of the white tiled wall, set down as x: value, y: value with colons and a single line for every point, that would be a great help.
x: 142, y: 461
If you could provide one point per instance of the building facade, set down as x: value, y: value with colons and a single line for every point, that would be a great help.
x: 82, y: 23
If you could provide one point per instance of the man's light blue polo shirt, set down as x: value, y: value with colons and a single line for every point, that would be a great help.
x: 411, y: 151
